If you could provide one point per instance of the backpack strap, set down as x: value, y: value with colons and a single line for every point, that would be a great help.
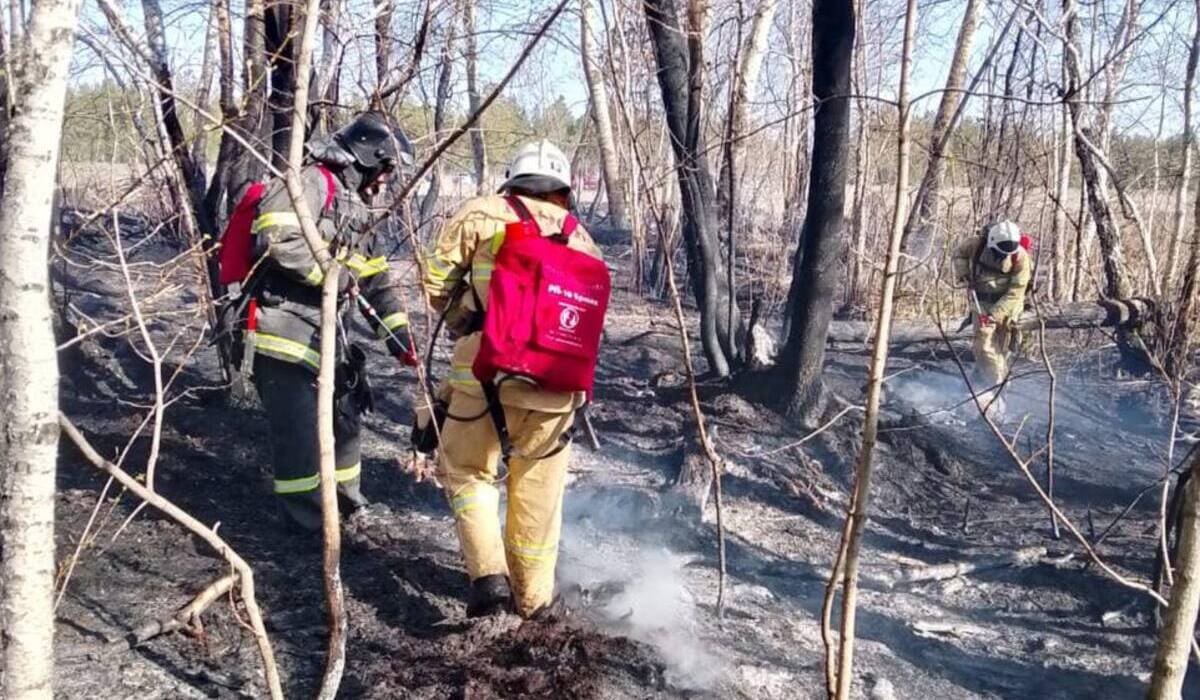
x: 570, y: 223
x: 330, y: 187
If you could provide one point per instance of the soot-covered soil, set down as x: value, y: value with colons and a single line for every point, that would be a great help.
x: 638, y: 583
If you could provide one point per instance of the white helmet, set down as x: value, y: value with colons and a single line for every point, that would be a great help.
x: 538, y: 167
x: 1003, y: 237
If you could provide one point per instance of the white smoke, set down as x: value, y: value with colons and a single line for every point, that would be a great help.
x: 634, y: 587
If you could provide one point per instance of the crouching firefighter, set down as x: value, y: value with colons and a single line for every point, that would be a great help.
x: 996, y: 269
x: 524, y: 288
x: 264, y: 249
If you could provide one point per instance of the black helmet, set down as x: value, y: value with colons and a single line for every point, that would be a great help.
x: 376, y: 143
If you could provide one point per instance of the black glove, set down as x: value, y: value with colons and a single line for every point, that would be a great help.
x: 424, y: 436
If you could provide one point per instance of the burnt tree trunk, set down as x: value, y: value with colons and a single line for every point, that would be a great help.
x: 680, y: 66
x: 815, y: 268
x: 280, y: 52
x: 441, y: 102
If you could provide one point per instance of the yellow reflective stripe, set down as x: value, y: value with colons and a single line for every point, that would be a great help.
x: 481, y: 271
x: 287, y: 348
x: 461, y: 375
x: 436, y: 270
x: 274, y: 219
x: 365, y: 268
x: 311, y: 483
x: 390, y: 323
x: 471, y: 497
x: 497, y: 241
x: 532, y: 551
x: 315, y: 277
x: 302, y: 485
x: 348, y: 473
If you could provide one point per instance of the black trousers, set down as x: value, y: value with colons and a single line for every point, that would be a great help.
x: 289, y: 394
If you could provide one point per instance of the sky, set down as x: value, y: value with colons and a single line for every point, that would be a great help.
x: 504, y: 26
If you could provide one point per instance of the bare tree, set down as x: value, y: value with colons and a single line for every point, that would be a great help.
x: 478, y: 147
x: 680, y: 59
x: 744, y: 83
x: 440, y: 107
x: 1171, y: 266
x: 1087, y: 150
x: 29, y: 372
x: 847, y: 559
x: 815, y: 269
x: 924, y: 211
x: 614, y: 181
x: 1178, y: 633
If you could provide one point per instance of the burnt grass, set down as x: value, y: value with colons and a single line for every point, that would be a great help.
x: 637, y: 573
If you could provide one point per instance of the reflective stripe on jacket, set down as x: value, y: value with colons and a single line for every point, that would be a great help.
x: 289, y: 313
x: 1000, y: 281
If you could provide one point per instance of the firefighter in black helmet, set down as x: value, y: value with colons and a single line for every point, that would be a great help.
x: 343, y: 174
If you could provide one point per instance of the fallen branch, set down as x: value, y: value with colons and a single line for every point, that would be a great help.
x: 186, y: 616
x: 244, y: 574
x: 942, y: 572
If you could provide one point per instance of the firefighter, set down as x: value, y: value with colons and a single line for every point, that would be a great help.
x: 514, y: 572
x: 996, y: 270
x: 345, y: 171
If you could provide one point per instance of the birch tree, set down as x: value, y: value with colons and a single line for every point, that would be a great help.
x: 29, y: 372
x: 1178, y: 633
x: 614, y: 181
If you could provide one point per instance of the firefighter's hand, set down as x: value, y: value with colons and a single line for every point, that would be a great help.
x: 986, y: 320
x: 422, y: 467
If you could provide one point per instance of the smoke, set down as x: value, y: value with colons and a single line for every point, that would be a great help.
x: 633, y: 584
x: 940, y: 398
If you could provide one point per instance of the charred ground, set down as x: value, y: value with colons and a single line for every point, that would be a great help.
x: 638, y: 581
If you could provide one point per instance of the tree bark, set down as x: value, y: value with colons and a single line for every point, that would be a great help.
x: 478, y: 147
x: 335, y: 657
x: 204, y: 91
x: 816, y: 269
x: 281, y: 57
x: 1178, y: 633
x: 745, y: 83
x: 1116, y: 285
x: 1105, y: 313
x: 614, y: 181
x: 441, y: 101
x: 680, y: 71
x: 229, y: 148
x: 29, y: 372
x: 861, y: 497
x: 1189, y: 139
x: 384, y: 10
x: 924, y: 212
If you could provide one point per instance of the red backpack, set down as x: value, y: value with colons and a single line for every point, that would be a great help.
x: 546, y: 306
x: 236, y: 254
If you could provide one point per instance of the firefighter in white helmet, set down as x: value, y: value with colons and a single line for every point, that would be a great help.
x: 514, y: 571
x: 996, y: 269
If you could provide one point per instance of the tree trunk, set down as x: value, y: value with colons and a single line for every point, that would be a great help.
x: 29, y: 372
x: 745, y: 83
x: 614, y: 181
x: 254, y: 121
x: 280, y: 51
x: 384, y: 10
x: 680, y: 69
x: 204, y: 91
x: 444, y: 85
x: 816, y: 269
x: 1187, y: 308
x: 861, y: 497
x: 1116, y: 286
x: 1179, y: 632
x: 1062, y: 183
x: 193, y: 175
x: 329, y: 73
x: 924, y: 212
x: 229, y: 148
x: 1177, y: 222
x: 478, y: 147
x: 1104, y: 313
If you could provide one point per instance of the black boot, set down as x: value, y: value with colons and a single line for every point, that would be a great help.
x: 490, y: 595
